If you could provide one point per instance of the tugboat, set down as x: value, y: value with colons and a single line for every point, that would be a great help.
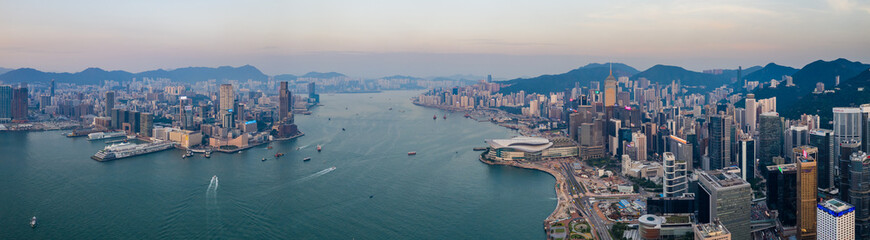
x: 319, y: 148
x: 33, y: 222
x: 306, y: 159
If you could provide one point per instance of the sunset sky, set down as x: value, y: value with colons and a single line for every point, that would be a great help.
x: 426, y: 38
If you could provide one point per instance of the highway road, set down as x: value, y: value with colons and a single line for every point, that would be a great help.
x: 584, y: 205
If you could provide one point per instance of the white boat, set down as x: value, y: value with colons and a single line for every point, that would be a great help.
x: 319, y: 148
x: 104, y: 135
x: 33, y: 222
x: 306, y: 159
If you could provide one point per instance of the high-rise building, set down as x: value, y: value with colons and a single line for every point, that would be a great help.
x: 20, y: 101
x: 751, y: 114
x: 227, y: 97
x: 5, y: 103
x: 147, y: 124
x: 313, y: 97
x: 711, y: 231
x: 847, y: 127
x: 795, y: 136
x: 746, y: 157
x: 865, y: 129
x: 675, y: 180
x: 823, y: 140
x: 725, y: 196
x: 859, y: 193
x: 844, y: 171
x: 284, y: 105
x: 610, y: 90
x: 769, y: 138
x: 682, y: 150
x: 836, y: 220
x: 110, y: 103
x: 782, y: 192
x: 720, y: 142
x: 807, y: 193
x: 51, y: 88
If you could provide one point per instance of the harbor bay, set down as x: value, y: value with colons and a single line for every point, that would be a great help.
x: 362, y: 185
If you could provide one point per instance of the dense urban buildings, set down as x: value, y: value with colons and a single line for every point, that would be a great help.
x: 724, y: 196
x: 836, y: 220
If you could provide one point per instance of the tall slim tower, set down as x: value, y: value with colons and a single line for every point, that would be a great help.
x: 751, y: 113
x: 110, y: 103
x: 283, y: 102
x: 51, y: 88
x: 5, y: 103
x: 720, y: 139
x: 807, y: 192
x: 823, y: 140
x: 610, y: 89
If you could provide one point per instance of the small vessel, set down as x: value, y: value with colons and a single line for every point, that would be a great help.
x: 445, y: 116
x: 297, y: 148
x: 306, y: 159
x: 467, y: 115
x: 435, y: 117
x: 264, y: 159
x: 479, y: 149
x: 187, y: 154
x: 277, y: 155
x: 372, y: 196
x: 329, y: 119
x: 319, y: 148
x: 269, y: 147
x: 332, y: 168
x: 342, y: 129
x: 412, y: 153
x: 33, y: 222
x: 391, y: 109
x: 207, y: 154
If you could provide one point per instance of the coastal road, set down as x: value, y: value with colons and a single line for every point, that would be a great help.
x: 584, y: 205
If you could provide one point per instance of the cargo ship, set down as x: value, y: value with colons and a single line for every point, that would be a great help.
x: 123, y: 150
x: 106, y: 135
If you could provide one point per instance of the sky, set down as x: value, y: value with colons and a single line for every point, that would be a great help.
x: 378, y: 38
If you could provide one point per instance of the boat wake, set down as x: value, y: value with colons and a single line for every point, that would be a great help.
x: 211, y: 191
x: 317, y: 174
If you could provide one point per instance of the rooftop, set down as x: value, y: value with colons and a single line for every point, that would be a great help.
x: 722, y: 178
x: 836, y: 205
x: 525, y: 144
x: 712, y: 229
x: 791, y: 167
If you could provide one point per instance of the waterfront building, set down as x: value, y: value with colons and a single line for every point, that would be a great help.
x: 836, y: 220
x: 823, y: 140
x: 147, y: 122
x: 859, y: 193
x: 847, y: 127
x: 726, y: 197
x: 769, y: 138
x: 20, y: 99
x: 110, y: 104
x: 807, y: 193
x: 782, y: 192
x: 227, y: 98
x: 746, y: 157
x: 720, y: 139
x: 5, y: 103
x: 285, y: 104
x: 711, y: 231
x: 517, y: 148
x: 675, y: 180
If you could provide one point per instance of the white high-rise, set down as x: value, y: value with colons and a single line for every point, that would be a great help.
x: 675, y: 176
x: 750, y: 115
x: 836, y: 220
x: 847, y: 127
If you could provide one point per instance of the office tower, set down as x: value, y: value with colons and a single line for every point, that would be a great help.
x: 283, y: 102
x: 844, y: 171
x: 147, y: 122
x: 782, y: 192
x: 610, y: 90
x: 640, y: 142
x: 769, y: 138
x: 20, y: 100
x: 807, y: 192
x: 573, y: 125
x: 795, y: 136
x: 751, y: 113
x: 110, y: 103
x: 823, y: 140
x: 711, y: 231
x: 675, y: 176
x: 313, y: 97
x: 489, y: 78
x: 51, y: 89
x: 720, y: 139
x: 682, y: 150
x: 836, y: 220
x: 746, y: 157
x: 847, y: 127
x: 859, y: 193
x: 227, y: 99
x: 5, y: 103
x: 239, y: 112
x: 725, y: 196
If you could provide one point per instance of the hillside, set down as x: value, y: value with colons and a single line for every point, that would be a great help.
x: 806, y: 78
x: 97, y: 75
x: 559, y: 82
x: 850, y: 94
x: 664, y: 74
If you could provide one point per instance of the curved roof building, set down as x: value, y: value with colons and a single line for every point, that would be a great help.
x: 524, y: 144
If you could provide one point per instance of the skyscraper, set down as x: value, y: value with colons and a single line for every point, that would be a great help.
x: 823, y: 140
x: 110, y: 103
x: 20, y: 101
x: 51, y: 89
x: 147, y: 122
x: 284, y: 98
x: 859, y: 193
x: 844, y: 171
x: 847, y: 127
x: 782, y: 192
x: 720, y: 139
x: 746, y: 157
x: 751, y: 113
x: 675, y: 176
x: 227, y: 97
x: 807, y: 192
x: 610, y: 89
x: 725, y: 196
x: 836, y: 220
x: 769, y: 138
x: 5, y: 103
x: 795, y: 136
x: 682, y: 150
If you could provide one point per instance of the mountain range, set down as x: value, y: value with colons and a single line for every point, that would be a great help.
x: 97, y: 75
x: 805, y: 80
x: 850, y: 93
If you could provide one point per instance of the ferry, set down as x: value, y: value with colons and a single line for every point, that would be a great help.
x: 412, y: 153
x: 123, y: 150
x: 207, y: 154
x: 102, y: 135
x: 332, y: 168
x: 33, y: 222
x: 319, y: 148
x: 306, y: 159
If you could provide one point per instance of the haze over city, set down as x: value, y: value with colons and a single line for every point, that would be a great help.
x: 381, y: 38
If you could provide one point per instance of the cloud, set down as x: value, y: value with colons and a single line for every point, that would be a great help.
x: 849, y: 5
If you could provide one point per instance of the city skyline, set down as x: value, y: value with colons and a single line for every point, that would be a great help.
x: 388, y: 37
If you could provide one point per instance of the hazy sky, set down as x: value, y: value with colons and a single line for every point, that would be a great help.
x: 376, y: 38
